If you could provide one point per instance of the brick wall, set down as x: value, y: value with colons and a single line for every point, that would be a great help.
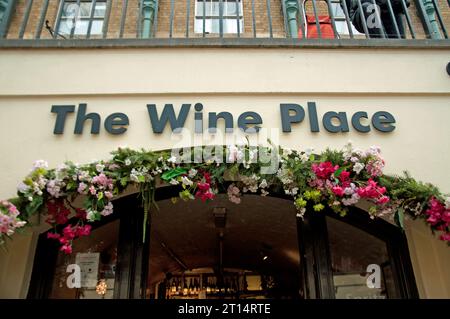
x: 179, y: 23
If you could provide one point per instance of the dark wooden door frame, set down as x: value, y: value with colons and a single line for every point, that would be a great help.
x: 130, y: 252
x: 315, y: 262
x: 315, y: 252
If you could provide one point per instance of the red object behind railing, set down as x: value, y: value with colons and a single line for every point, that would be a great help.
x: 326, y: 29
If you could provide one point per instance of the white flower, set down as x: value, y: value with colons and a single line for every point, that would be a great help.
x: 301, y: 212
x: 304, y: 157
x: 90, y: 216
x: 374, y: 150
x: 287, y: 152
x: 309, y: 151
x: 127, y: 162
x: 174, y: 182
x: 23, y: 188
x: 99, y: 167
x: 358, y: 167
x: 108, y: 210
x: 192, y: 172
x: 263, y: 184
x: 186, y: 181
x: 39, y: 164
x: 172, y: 159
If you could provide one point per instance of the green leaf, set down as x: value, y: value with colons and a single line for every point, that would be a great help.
x: 339, y: 172
x: 124, y: 181
x: 400, y: 218
x: 34, y: 205
x: 167, y: 176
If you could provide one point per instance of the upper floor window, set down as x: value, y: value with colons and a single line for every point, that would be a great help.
x: 208, y: 12
x: 341, y: 21
x: 83, y: 18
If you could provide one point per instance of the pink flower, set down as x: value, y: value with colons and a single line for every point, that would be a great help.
x: 53, y: 235
x: 372, y: 190
x: 345, y: 178
x: 108, y: 195
x: 203, y: 186
x: 324, y: 169
x: 338, y: 191
x: 81, y: 188
x: 69, y: 233
x: 445, y: 237
x: 437, y: 213
x: 83, y: 230
x: 383, y: 200
x: 234, y: 194
x: 204, y: 196
x: 67, y: 249
x: 92, y: 190
x: 108, y: 210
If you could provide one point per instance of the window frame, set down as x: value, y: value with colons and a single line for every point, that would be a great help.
x: 233, y: 18
x: 105, y: 19
x: 318, y: 271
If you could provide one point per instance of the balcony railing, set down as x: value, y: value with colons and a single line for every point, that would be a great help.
x: 219, y: 21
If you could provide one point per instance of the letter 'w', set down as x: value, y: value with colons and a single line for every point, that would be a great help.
x: 167, y: 115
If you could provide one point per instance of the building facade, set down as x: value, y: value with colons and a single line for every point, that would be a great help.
x: 116, y: 56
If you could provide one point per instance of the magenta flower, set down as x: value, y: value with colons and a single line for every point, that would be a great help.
x: 324, y: 169
x: 338, y: 191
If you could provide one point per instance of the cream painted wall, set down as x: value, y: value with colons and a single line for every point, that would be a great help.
x: 416, y: 90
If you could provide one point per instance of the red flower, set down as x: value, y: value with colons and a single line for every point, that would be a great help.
x: 324, y: 169
x: 338, y: 191
x: 203, y: 186
x: 204, y: 196
x: 437, y: 213
x: 207, y: 177
x: 345, y: 178
x: 383, y: 200
x: 445, y: 237
x: 69, y: 233
x: 372, y: 190
x: 57, y: 213
x: 67, y: 249
x: 81, y: 214
x: 83, y: 230
x: 53, y: 235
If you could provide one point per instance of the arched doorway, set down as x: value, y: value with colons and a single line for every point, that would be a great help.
x: 257, y: 249
x: 224, y: 250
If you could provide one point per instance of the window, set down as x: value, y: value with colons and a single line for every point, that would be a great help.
x: 96, y: 257
x: 82, y: 18
x: 339, y: 15
x: 352, y: 251
x: 207, y: 16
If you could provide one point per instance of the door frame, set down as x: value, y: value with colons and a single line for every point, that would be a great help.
x: 315, y: 261
x: 317, y: 270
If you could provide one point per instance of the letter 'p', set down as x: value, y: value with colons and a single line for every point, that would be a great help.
x: 291, y: 113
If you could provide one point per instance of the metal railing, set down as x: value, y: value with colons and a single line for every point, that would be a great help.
x: 296, y: 20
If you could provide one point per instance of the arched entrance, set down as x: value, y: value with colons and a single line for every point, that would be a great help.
x: 257, y: 249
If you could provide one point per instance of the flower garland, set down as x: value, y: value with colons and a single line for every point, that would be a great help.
x: 337, y: 179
